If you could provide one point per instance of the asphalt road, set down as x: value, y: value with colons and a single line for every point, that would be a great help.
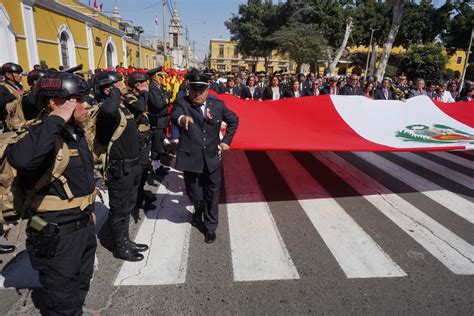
x: 299, y: 233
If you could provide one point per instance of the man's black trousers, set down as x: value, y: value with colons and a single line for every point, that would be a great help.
x: 123, y: 179
x: 66, y: 276
x: 203, y: 190
x: 157, y: 143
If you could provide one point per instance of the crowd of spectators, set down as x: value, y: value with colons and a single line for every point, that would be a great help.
x: 282, y: 85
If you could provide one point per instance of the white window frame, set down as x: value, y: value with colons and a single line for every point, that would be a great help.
x: 90, y: 44
x: 114, y: 53
x: 30, y: 33
x: 124, y: 52
x: 10, y: 45
x: 71, y: 46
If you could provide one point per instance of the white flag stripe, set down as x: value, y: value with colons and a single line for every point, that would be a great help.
x: 450, y: 200
x: 439, y: 169
x: 357, y: 253
x: 258, y: 251
x: 379, y: 121
x: 167, y: 232
x: 455, y: 253
x: 456, y: 159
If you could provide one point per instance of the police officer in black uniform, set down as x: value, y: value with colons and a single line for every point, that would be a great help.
x: 123, y: 168
x: 199, y: 152
x: 11, y: 89
x: 30, y: 107
x: 158, y: 115
x: 61, y: 234
x: 136, y: 101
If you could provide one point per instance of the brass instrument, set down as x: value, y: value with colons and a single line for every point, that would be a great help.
x: 398, y: 93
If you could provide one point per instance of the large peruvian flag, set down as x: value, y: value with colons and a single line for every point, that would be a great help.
x: 352, y: 123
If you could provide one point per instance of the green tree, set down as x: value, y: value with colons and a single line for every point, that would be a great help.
x: 422, y: 22
x: 458, y: 31
x: 424, y: 61
x: 253, y: 26
x: 304, y: 43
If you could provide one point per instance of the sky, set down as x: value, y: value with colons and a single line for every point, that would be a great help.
x: 204, y: 18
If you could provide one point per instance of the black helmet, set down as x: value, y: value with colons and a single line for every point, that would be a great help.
x: 135, y: 77
x: 60, y: 84
x: 35, y: 75
x: 11, y: 67
x: 105, y: 78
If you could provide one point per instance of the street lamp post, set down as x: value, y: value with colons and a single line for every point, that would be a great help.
x: 368, y: 51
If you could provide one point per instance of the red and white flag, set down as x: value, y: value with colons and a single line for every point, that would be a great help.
x: 352, y: 123
x: 156, y: 21
x: 100, y: 7
x: 96, y: 7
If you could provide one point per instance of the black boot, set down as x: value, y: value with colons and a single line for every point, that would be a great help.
x: 135, y: 246
x: 127, y: 253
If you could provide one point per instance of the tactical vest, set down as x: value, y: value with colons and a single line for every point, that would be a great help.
x: 15, y: 118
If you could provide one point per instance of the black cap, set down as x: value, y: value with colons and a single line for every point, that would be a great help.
x: 198, y: 80
x: 136, y: 76
x: 11, y: 67
x: 154, y: 70
x: 60, y: 84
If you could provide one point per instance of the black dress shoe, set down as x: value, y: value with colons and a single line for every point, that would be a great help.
x: 127, y: 253
x: 210, y: 236
x: 6, y: 249
x: 196, y: 220
x: 162, y: 171
x: 135, y: 246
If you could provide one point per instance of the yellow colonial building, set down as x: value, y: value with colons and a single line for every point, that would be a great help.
x: 67, y: 33
x: 223, y: 55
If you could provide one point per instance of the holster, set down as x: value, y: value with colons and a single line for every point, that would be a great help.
x: 42, y: 244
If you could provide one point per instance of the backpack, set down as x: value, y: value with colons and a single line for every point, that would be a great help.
x: 101, y: 152
x: 14, y: 201
x: 15, y: 118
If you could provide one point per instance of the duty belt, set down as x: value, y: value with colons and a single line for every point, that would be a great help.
x: 48, y: 203
x: 64, y: 229
x: 126, y: 162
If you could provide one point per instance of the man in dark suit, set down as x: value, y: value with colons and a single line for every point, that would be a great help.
x: 384, y: 92
x: 199, y: 152
x: 230, y: 87
x: 332, y: 88
x: 315, y: 89
x: 353, y: 87
x: 304, y: 84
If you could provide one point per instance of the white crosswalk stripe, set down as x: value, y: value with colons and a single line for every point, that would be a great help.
x: 450, y: 174
x: 456, y: 159
x: 455, y: 253
x: 258, y: 251
x: 167, y: 232
x: 450, y: 200
x: 355, y: 251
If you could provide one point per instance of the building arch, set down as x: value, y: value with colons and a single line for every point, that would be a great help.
x: 8, y: 53
x: 67, y: 48
x: 110, y: 53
